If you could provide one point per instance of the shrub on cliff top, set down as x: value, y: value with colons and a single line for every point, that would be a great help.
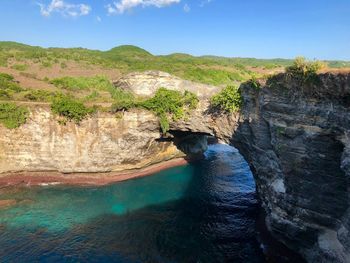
x: 227, y: 100
x: 170, y: 104
x: 166, y: 104
x: 13, y: 116
x: 305, y: 71
x: 70, y: 109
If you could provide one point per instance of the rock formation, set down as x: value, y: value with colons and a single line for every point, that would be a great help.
x: 147, y: 83
x: 102, y: 143
x: 295, y: 137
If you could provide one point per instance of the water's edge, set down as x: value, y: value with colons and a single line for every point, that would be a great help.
x: 45, y: 178
x: 202, y: 212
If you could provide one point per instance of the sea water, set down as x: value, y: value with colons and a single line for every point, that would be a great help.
x: 201, y: 212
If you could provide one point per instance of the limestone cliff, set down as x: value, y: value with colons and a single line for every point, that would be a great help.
x: 147, y: 83
x: 101, y: 143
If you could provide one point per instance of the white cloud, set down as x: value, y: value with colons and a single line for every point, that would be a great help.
x: 124, y: 5
x: 204, y: 2
x: 64, y: 8
x: 187, y: 8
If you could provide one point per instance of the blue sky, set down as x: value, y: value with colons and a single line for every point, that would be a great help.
x: 234, y: 28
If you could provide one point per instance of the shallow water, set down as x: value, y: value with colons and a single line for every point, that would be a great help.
x: 203, y: 212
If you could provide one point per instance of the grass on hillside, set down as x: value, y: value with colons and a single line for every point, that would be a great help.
x: 213, y: 70
x: 210, y: 70
x: 93, y: 85
x: 8, y: 87
x: 10, y: 90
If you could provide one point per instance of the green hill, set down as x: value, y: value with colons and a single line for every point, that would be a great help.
x: 127, y: 51
x: 213, y: 70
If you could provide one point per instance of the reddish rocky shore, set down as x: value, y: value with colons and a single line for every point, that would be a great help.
x: 83, y: 179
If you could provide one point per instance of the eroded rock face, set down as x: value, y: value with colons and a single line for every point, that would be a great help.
x: 102, y: 143
x: 297, y: 143
x: 146, y: 84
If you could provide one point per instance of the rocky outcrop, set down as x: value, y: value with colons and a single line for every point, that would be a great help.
x: 146, y: 84
x: 295, y: 136
x: 102, y: 143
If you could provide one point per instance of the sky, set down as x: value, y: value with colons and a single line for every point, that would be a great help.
x: 316, y: 29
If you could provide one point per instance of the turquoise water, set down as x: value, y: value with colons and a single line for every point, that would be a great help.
x: 203, y: 212
x: 59, y: 208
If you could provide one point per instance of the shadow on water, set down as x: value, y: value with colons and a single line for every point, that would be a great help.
x: 212, y: 219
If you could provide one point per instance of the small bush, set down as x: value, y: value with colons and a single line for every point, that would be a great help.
x: 39, y: 95
x: 5, y: 95
x: 13, y: 116
x: 170, y: 104
x: 46, y: 64
x: 6, y: 77
x: 70, y: 109
x: 63, y: 65
x: 164, y: 123
x: 8, y: 84
x: 123, y: 105
x: 166, y: 101
x: 20, y: 67
x: 305, y: 71
x: 254, y: 82
x: 190, y: 100
x: 228, y: 100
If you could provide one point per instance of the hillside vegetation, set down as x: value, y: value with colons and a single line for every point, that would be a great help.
x: 218, y: 71
x: 210, y: 70
x: 77, y: 81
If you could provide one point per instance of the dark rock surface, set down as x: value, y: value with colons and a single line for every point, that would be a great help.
x: 296, y: 139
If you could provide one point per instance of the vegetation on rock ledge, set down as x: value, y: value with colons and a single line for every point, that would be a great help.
x: 166, y: 104
x: 228, y: 100
x: 170, y: 104
x: 305, y: 71
x: 13, y: 116
x: 70, y: 109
